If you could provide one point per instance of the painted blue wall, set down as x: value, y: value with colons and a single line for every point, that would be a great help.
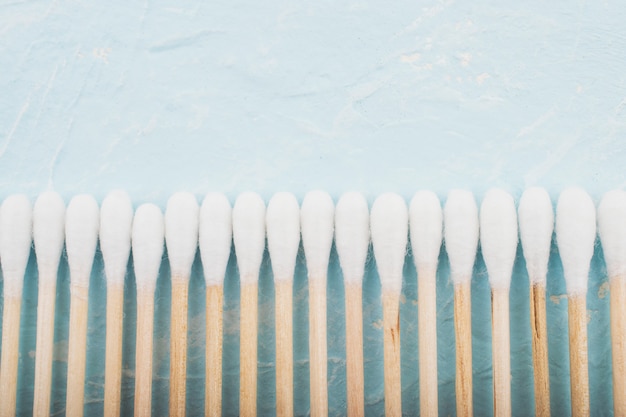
x: 240, y: 95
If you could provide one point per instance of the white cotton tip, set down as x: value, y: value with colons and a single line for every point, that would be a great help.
x: 352, y: 235
x: 249, y: 235
x: 116, y: 220
x: 147, y: 241
x: 612, y: 229
x: 426, y: 225
x: 215, y: 237
x: 498, y: 236
x: 49, y: 232
x: 461, y: 234
x: 181, y: 233
x: 283, y: 234
x: 536, y: 225
x: 390, y: 231
x: 317, y: 219
x: 16, y: 231
x: 82, y: 222
x: 575, y: 236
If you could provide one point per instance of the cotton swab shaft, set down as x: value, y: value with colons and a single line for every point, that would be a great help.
x: 249, y: 238
x: 81, y: 231
x: 113, y: 347
x: 355, y: 382
x: 215, y: 238
x: 618, y: 343
x: 539, y: 333
x: 463, y: 344
x: 501, y: 348
x: 317, y: 223
x: 284, y: 347
x: 49, y: 236
x: 15, y: 242
x: 391, y: 340
x: 178, y: 345
x: 147, y: 244
x: 578, y: 357
x: 214, y: 337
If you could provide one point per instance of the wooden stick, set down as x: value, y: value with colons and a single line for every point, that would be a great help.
x: 539, y: 334
x: 354, y: 349
x: 501, y: 348
x: 178, y: 345
x: 618, y: 343
x: 214, y: 332
x: 391, y: 330
x: 579, y: 368
x: 45, y: 342
x: 248, y: 349
x: 76, y: 352
x: 284, y: 347
x: 463, y: 337
x: 427, y: 330
x: 113, y: 360
x: 143, y: 353
x: 317, y: 347
x: 10, y: 354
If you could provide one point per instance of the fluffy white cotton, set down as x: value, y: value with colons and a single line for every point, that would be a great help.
x: 317, y: 218
x: 147, y: 241
x: 181, y: 233
x: 352, y: 235
x: 216, y: 237
x: 16, y: 225
x: 498, y: 236
x: 461, y: 234
x: 536, y: 225
x: 49, y: 232
x: 116, y: 219
x: 426, y: 225
x: 612, y: 229
x: 575, y: 235
x: 283, y: 234
x: 390, y: 229
x: 249, y: 235
x: 82, y: 222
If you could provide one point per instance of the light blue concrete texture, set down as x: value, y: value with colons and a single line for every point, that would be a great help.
x: 162, y: 96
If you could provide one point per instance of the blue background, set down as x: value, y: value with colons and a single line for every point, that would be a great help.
x: 163, y: 96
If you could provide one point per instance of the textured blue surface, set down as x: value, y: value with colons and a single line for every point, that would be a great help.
x: 231, y: 96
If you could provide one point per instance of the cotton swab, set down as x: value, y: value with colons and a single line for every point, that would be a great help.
x: 283, y: 240
x: 426, y: 225
x: 576, y: 233
x: 116, y: 218
x: 536, y: 225
x: 389, y: 226
x: 181, y: 239
x: 82, y: 222
x: 249, y: 240
x: 49, y: 236
x: 147, y: 243
x: 15, y: 240
x: 498, y: 237
x: 612, y: 229
x: 215, y: 237
x: 461, y: 237
x: 352, y: 239
x: 317, y: 220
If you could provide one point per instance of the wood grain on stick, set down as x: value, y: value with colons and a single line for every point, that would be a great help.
x: 354, y: 349
x: 178, y: 345
x: 391, y: 332
x: 501, y: 346
x: 284, y: 347
x: 214, y: 338
x: 579, y: 362
x: 539, y: 335
x: 427, y: 340
x: 463, y: 342
x: 248, y: 349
